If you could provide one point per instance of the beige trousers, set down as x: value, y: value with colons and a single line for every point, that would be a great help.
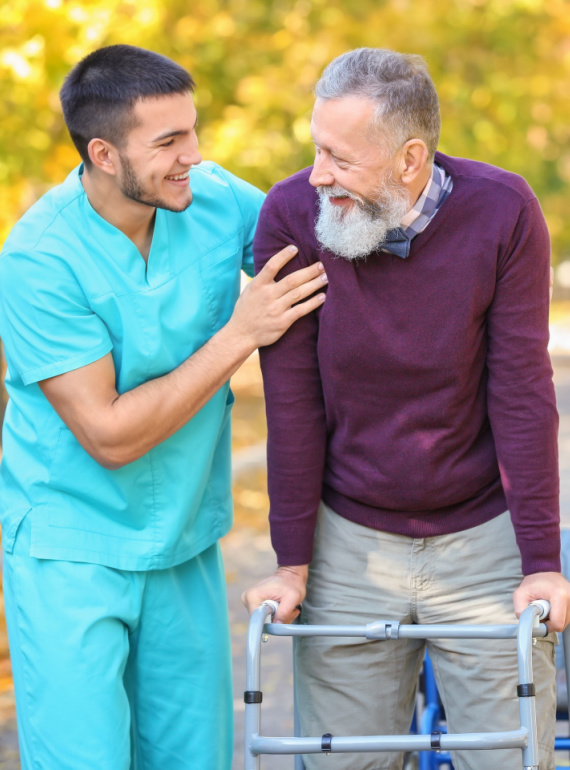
x: 359, y: 687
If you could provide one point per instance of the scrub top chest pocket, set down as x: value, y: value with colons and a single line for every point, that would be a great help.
x: 220, y: 277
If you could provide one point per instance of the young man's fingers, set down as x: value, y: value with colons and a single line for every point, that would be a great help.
x: 304, y: 308
x: 301, y: 277
x: 305, y: 290
x: 293, y: 280
x: 277, y: 261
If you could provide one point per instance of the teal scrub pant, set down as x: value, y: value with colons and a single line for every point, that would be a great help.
x: 119, y: 670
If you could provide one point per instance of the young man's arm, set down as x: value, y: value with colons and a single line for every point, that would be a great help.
x: 118, y: 429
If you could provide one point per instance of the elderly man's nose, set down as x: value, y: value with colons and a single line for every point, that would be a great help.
x: 321, y: 175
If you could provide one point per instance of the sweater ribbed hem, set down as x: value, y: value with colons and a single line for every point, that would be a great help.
x: 294, y: 545
x: 485, y: 506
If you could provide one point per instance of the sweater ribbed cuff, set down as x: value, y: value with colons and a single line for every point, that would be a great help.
x: 540, y: 555
x: 293, y: 545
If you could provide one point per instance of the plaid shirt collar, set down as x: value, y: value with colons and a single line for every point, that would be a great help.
x: 428, y: 204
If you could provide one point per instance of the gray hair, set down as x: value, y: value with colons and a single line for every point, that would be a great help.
x: 399, y: 85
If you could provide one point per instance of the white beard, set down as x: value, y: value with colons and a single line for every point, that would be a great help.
x: 355, y: 232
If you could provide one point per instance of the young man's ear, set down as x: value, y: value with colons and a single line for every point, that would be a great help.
x: 103, y: 156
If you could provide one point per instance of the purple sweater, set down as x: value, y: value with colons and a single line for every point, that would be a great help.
x: 419, y: 399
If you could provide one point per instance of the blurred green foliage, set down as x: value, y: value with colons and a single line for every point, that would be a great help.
x: 502, y: 68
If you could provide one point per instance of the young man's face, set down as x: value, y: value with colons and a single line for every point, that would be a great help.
x: 159, y: 152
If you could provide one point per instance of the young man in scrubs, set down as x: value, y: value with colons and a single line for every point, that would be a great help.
x: 122, y: 323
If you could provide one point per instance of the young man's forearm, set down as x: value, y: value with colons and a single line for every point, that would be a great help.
x: 142, y: 418
x: 118, y: 429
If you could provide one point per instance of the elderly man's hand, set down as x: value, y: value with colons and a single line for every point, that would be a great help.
x: 546, y: 585
x: 287, y: 586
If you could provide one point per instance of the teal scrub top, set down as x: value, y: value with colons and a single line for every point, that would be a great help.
x: 74, y: 288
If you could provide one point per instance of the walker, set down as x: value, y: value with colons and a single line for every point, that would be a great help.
x: 388, y: 632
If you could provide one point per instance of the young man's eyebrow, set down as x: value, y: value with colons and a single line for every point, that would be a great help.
x: 169, y: 134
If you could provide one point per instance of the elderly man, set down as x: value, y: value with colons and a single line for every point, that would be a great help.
x: 412, y: 421
x: 120, y: 315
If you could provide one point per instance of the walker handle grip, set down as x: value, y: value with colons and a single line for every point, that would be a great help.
x: 273, y: 604
x: 544, y: 607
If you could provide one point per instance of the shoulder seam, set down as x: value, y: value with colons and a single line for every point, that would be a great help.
x: 499, y: 183
x: 235, y: 197
x: 469, y: 175
x: 48, y: 225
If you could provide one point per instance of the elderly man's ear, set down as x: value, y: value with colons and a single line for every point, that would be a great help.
x: 413, y: 160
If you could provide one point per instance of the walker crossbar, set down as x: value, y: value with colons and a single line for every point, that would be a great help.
x: 389, y: 630
x: 386, y: 630
x: 515, y: 739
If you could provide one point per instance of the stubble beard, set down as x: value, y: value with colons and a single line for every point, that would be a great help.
x: 356, y: 232
x: 133, y: 189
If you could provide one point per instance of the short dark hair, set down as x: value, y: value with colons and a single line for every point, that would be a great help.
x: 99, y: 94
x: 399, y: 86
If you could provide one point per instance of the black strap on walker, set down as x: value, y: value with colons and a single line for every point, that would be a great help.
x: 435, y: 740
x: 326, y: 743
x: 252, y: 696
x: 526, y: 690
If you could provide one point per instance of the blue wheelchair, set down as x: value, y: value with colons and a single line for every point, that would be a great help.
x: 432, y: 717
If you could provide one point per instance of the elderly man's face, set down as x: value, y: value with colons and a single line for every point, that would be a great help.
x: 346, y: 154
x: 361, y: 198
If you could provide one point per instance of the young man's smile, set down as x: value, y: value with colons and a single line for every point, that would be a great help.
x: 159, y: 153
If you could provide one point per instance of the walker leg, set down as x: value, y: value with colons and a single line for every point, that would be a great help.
x: 253, y: 695
x: 566, y: 648
x: 299, y: 764
x: 526, y: 689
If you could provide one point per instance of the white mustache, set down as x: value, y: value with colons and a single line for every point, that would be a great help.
x: 336, y: 191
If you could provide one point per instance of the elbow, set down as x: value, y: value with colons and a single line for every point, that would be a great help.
x: 109, y: 461
x: 109, y: 441
x: 112, y: 458
x: 109, y: 451
x: 109, y: 458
